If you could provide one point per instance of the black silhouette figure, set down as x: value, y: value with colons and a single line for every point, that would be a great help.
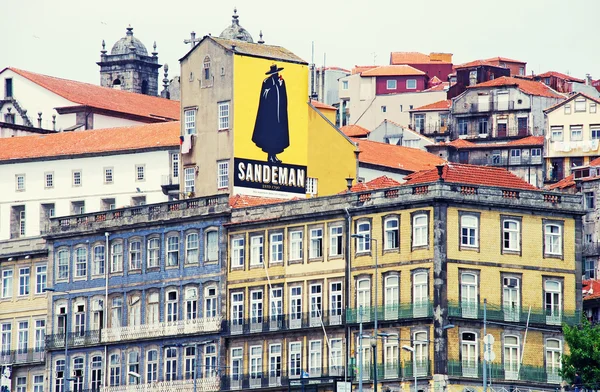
x: 271, y: 130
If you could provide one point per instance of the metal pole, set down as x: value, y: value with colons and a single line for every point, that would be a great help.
x: 415, y: 366
x: 105, y: 310
x: 195, y: 365
x: 375, y: 325
x: 66, y: 375
x: 360, y: 350
x: 485, y: 349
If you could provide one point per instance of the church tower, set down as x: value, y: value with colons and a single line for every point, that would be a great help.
x: 128, y: 66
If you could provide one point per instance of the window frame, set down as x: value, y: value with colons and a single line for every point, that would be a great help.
x: 108, y: 175
x: 362, y: 245
x: 561, y: 238
x: 223, y: 119
x: 315, y: 242
x: 477, y: 230
x: 578, y: 128
x: 172, y: 250
x: 223, y: 174
x: 409, y: 82
x: 189, y: 178
x: 394, y: 231
x: 49, y: 180
x: 338, y: 237
x: 189, y: 115
x: 20, y: 182
x: 192, y: 248
x: 392, y: 86
x: 519, y: 235
x: 257, y: 249
x: 140, y: 169
x: 279, y: 244
x: 238, y: 253
x: 557, y: 133
x: 413, y: 217
x: 296, y: 244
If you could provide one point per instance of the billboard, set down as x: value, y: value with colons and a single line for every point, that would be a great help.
x: 271, y: 126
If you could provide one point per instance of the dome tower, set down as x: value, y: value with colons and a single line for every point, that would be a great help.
x: 129, y: 67
x: 235, y: 31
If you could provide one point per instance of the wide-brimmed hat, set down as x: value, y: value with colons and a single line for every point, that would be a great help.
x: 273, y: 70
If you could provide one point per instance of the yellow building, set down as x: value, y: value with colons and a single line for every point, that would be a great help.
x: 23, y: 312
x: 573, y: 135
x: 249, y: 126
x: 421, y: 259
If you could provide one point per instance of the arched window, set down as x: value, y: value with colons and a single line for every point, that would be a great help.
x: 63, y: 265
x: 206, y: 68
x: 78, y: 373
x: 115, y: 370
x: 153, y: 254
x: 469, y: 354
x: 133, y: 368
x: 96, y: 373
x: 116, y: 84
x: 151, y: 366
x: 80, y: 262
x: 363, y: 242
x: 553, y: 358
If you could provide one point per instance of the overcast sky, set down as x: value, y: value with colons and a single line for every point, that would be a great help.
x: 63, y: 37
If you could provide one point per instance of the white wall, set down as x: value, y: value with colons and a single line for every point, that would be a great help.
x: 92, y: 190
x: 102, y: 121
x: 370, y: 174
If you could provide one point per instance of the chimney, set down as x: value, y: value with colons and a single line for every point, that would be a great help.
x: 588, y: 79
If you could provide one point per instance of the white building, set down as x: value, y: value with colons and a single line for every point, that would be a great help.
x: 74, y: 172
x: 392, y: 133
x: 55, y: 104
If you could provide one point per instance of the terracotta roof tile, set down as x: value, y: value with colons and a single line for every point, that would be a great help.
x: 475, y: 63
x: 393, y: 70
x: 321, y: 105
x: 165, y: 134
x: 413, y: 58
x: 241, y: 201
x: 106, y: 98
x: 506, y: 60
x: 595, y: 162
x: 591, y: 289
x: 560, y: 76
x: 566, y: 182
x: 527, y: 86
x: 396, y: 157
x: 439, y: 87
x: 376, y: 183
x: 528, y: 141
x: 466, y: 144
x: 354, y: 131
x: 362, y: 68
x: 473, y: 175
x: 439, y: 105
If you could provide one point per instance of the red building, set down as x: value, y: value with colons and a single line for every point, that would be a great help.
x: 394, y: 79
x: 433, y: 65
x: 558, y: 81
x: 516, y: 67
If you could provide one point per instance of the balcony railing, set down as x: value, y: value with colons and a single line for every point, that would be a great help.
x: 278, y: 378
x: 284, y: 322
x: 517, y: 315
x: 391, y: 312
x: 504, y: 161
x: 202, y: 384
x: 431, y: 129
x: 75, y: 339
x: 504, y: 372
x: 591, y: 248
x: 167, y: 179
x: 19, y: 357
x: 472, y: 131
x: 487, y: 106
x: 163, y: 329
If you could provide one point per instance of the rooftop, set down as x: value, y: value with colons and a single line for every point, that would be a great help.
x: 505, y: 60
x: 392, y: 70
x: 382, y: 182
x: 530, y: 141
x: 567, y: 182
x: 361, y: 68
x: 396, y: 157
x: 527, y: 86
x: 572, y: 97
x: 472, y: 175
x: 591, y: 289
x: 241, y: 201
x: 439, y: 105
x: 354, y: 131
x: 417, y: 58
x: 560, y: 76
x: 68, y: 144
x: 321, y: 105
x: 155, y: 108
x: 475, y: 63
x: 439, y: 87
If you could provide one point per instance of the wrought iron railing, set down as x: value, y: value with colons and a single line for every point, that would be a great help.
x: 509, y: 372
x: 162, y: 329
x: 284, y: 322
x: 17, y: 357
x: 514, y: 314
x: 74, y: 339
x: 209, y: 384
x: 391, y: 312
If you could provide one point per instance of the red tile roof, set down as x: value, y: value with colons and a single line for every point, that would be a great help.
x: 440, y: 105
x: 475, y: 63
x: 528, y: 141
x: 393, y: 70
x: 321, y: 105
x: 466, y: 144
x: 473, y: 175
x: 413, y: 58
x: 439, y: 87
x: 396, y: 157
x: 354, y: 131
x: 506, y: 60
x: 155, y: 108
x: 361, y: 68
x: 242, y: 201
x: 591, y: 289
x: 566, y: 182
x: 560, y: 76
x: 377, y: 183
x: 595, y: 162
x: 527, y: 86
x: 65, y: 144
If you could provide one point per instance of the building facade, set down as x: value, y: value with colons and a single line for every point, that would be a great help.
x: 432, y: 120
x: 392, y: 133
x: 137, y: 301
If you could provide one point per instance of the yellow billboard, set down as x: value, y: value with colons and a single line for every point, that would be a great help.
x: 271, y: 124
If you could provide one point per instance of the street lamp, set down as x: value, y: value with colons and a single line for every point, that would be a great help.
x: 373, y: 341
x: 52, y: 290
x: 412, y: 350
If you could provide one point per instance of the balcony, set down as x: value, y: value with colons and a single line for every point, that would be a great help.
x: 435, y: 129
x: 22, y: 357
x: 202, y: 384
x: 504, y: 161
x: 258, y: 380
x: 472, y: 130
x: 391, y: 312
x: 591, y: 248
x: 515, y: 315
x: 169, y: 184
x: 487, y: 107
x: 75, y: 339
x: 164, y: 329
x: 284, y: 322
x: 505, y: 372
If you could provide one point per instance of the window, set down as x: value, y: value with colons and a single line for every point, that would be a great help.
x: 98, y: 260
x: 588, y: 238
x: 276, y: 242
x: 152, y: 312
x: 420, y: 355
x: 553, y: 360
x: 96, y: 373
x: 419, y: 123
x: 237, y: 310
x: 115, y: 370
x: 140, y: 172
x: 274, y: 364
x: 172, y: 251
x: 312, y: 186
x: 595, y: 131
x: 116, y: 312
x: 190, y: 121
x: 515, y: 157
x: 212, y: 245
x: 552, y: 239
x: 40, y: 278
x: 363, y: 241
x: 316, y: 304
x: 511, y: 235
x: 552, y: 301
x: 295, y: 306
x: 59, y: 381
x: 5, y: 338
x: 172, y: 313
x: 189, y: 361
x: 392, y: 234
x: 592, y: 107
x: 363, y: 297
x: 116, y: 252
x: 255, y: 365
x: 589, y: 200
x: 133, y: 366
x: 8, y: 87
x: 20, y: 182
x: 576, y: 132
x: 210, y: 360
x: 256, y: 250
x: 62, y: 271
x: 316, y: 243
x: 336, y: 365
x: 153, y: 252
x: 567, y: 108
x: 468, y: 295
x: 511, y: 298
x: 175, y: 165
x: 170, y: 364
x: 521, y: 70
x: 462, y: 127
x: 256, y: 307
x: 335, y: 302
x: 135, y: 255
x: 222, y: 174
x: 237, y: 365
x: 151, y: 366
x: 536, y: 155
x: 191, y: 248
x: 420, y: 231
x: 589, y: 268
x: 557, y: 133
x: 295, y: 364
x: 49, y: 180
x: 383, y: 108
x: 314, y: 358
x: 22, y: 337
x: 482, y: 125
x: 191, y: 303
x: 296, y: 249
x: 391, y: 84
x: 24, y: 281
x: 469, y: 354
x: 21, y: 384
x: 80, y: 262
x: 411, y: 84
x: 237, y: 252
x: 580, y: 105
x: 206, y: 68
x: 38, y: 383
x: 108, y: 175
x: 391, y: 296
x: 40, y: 335
x: 344, y: 85
x: 276, y: 305
x: 190, y: 180
x: 335, y: 241
x: 420, y: 295
x: 469, y: 231
x: 223, y: 110
x: 22, y: 222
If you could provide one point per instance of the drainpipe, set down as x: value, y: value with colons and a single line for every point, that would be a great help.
x: 348, y: 291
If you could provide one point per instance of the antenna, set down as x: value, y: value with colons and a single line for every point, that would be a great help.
x: 312, y: 72
x: 374, y: 57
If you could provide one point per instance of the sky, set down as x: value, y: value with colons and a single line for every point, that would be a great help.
x: 63, y: 38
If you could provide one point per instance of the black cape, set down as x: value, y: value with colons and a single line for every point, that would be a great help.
x: 271, y: 130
